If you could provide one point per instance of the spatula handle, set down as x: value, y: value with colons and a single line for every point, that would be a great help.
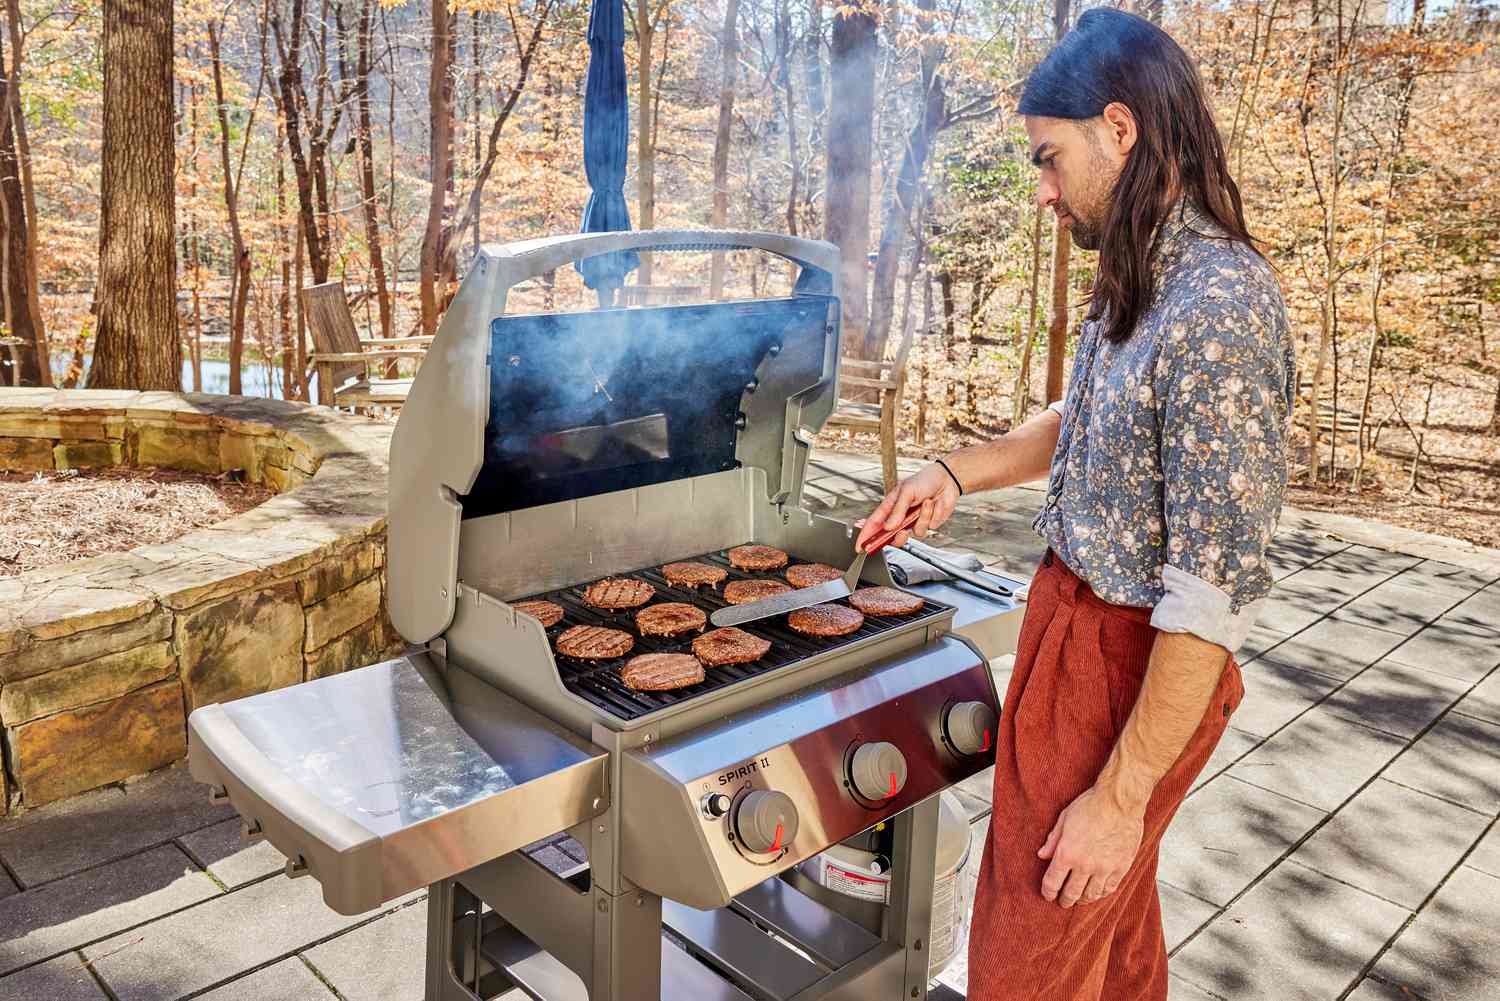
x: 882, y: 540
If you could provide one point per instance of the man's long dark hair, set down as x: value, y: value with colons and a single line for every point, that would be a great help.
x: 1109, y: 57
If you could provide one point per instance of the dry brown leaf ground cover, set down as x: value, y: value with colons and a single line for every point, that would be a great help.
x: 51, y: 518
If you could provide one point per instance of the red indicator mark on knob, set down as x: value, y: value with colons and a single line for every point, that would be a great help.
x: 986, y: 745
x: 894, y: 789
x: 776, y: 844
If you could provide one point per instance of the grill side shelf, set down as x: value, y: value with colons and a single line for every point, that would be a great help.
x: 394, y: 776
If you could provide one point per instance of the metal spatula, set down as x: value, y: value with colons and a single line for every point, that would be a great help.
x: 806, y: 597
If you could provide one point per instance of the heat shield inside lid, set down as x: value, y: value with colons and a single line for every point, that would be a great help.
x: 590, y: 403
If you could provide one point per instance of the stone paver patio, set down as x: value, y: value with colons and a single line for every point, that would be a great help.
x: 1342, y: 843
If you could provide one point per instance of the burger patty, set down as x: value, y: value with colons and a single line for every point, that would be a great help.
x: 659, y: 672
x: 826, y: 620
x: 545, y: 612
x: 885, y: 601
x: 729, y: 646
x: 740, y: 592
x: 693, y: 574
x: 619, y: 592
x: 812, y: 574
x: 669, y: 619
x: 757, y: 558
x: 594, y: 643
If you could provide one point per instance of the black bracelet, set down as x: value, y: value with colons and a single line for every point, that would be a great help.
x: 960, y: 486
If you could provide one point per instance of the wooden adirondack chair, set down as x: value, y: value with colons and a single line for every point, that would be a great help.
x: 343, y: 361
x: 889, y: 378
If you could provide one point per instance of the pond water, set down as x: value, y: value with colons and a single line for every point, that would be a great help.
x: 256, y: 378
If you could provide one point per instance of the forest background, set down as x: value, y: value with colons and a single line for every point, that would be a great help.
x: 258, y: 146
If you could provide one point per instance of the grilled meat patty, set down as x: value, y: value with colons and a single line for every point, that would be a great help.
x: 669, y: 619
x: 741, y: 592
x: 659, y: 672
x: 826, y: 620
x: 594, y: 643
x: 729, y: 646
x: 693, y: 574
x: 757, y: 558
x: 885, y: 601
x: 619, y: 592
x: 545, y: 612
x: 812, y: 574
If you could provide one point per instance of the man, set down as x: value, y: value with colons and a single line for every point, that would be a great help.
x: 1167, y: 468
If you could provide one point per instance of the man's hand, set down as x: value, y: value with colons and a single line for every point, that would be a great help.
x: 932, y: 488
x: 1092, y: 846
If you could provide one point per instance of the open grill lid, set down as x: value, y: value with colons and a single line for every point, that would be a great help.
x: 512, y: 412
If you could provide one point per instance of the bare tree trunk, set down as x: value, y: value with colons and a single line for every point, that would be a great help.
x: 239, y: 285
x: 729, y: 47
x: 28, y: 229
x: 442, y: 127
x: 32, y: 367
x: 194, y: 244
x: 290, y: 105
x: 950, y: 391
x: 1062, y: 248
x: 1021, y: 398
x: 367, y: 170
x: 645, y: 140
x: 137, y: 345
x: 851, y: 122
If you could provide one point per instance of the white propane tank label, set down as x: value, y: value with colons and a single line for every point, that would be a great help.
x: 853, y: 882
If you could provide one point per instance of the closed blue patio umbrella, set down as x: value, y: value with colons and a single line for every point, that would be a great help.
x: 606, y: 137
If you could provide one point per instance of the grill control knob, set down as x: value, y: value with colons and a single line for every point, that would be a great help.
x: 970, y: 727
x: 715, y: 805
x: 878, y: 770
x: 765, y: 821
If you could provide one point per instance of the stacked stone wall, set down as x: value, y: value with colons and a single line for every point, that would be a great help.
x: 102, y: 659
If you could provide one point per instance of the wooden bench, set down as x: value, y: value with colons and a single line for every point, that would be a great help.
x: 343, y: 360
x: 888, y: 380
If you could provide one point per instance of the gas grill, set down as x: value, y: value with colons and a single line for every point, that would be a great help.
x: 535, y: 455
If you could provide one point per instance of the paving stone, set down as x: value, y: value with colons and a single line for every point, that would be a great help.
x: 1486, y: 855
x: 1449, y: 648
x: 208, y: 944
x: 1260, y: 639
x: 1275, y: 694
x: 376, y: 962
x: 1326, y: 589
x: 1319, y: 759
x: 7, y: 885
x: 1445, y: 576
x: 232, y: 862
x: 1180, y: 990
x: 1451, y: 952
x: 1360, y: 559
x: 1181, y: 913
x: 1335, y: 648
x: 106, y: 824
x: 1457, y: 760
x: 1297, y: 936
x: 1227, y: 834
x: 1398, y: 608
x: 1232, y: 745
x: 1479, y: 612
x: 1395, y: 698
x: 288, y: 980
x: 1283, y: 614
x: 1370, y: 989
x: 62, y: 979
x: 1395, y: 842
x: 89, y: 905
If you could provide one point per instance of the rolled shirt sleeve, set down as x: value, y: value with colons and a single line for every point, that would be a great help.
x: 1223, y: 390
x: 1057, y: 405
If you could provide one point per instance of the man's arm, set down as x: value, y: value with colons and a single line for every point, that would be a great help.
x: 1095, y: 839
x: 1020, y: 456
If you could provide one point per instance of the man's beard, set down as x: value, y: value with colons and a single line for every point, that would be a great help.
x: 1093, y: 203
x: 1086, y: 234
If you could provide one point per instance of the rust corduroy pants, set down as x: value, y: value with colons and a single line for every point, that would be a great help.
x: 1079, y: 666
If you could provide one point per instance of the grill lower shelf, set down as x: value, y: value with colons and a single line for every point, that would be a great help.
x: 599, y: 681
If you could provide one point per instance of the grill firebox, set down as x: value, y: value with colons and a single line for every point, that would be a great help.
x: 599, y: 681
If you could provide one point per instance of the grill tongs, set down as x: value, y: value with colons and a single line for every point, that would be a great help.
x: 806, y: 597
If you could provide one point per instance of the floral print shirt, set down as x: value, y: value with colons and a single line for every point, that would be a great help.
x: 1171, y: 463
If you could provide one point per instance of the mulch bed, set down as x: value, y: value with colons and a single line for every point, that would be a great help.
x: 54, y: 517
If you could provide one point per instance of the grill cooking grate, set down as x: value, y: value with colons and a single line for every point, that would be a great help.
x: 599, y: 681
